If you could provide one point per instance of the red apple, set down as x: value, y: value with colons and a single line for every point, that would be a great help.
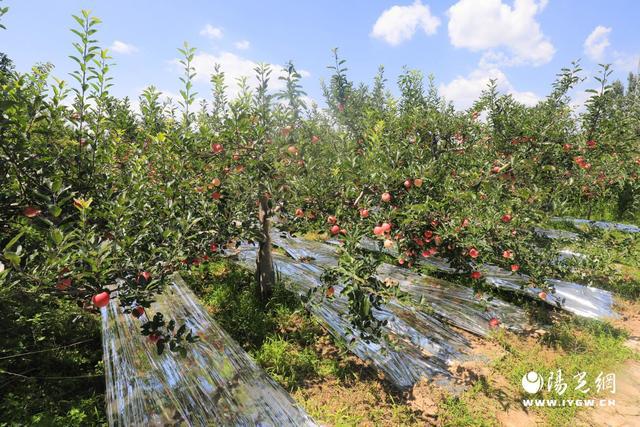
x: 407, y: 184
x: 386, y: 197
x: 378, y: 231
x: 100, y: 300
x: 566, y: 148
x: 154, y: 338
x: 145, y: 275
x: 386, y: 227
x: 315, y: 139
x: 332, y: 219
x: 213, y: 247
x: 217, y: 148
x: 476, y: 275
x: 495, y: 169
x: 428, y: 235
x: 64, y: 284
x: 506, y: 218
x: 137, y: 312
x: 417, y: 182
x: 335, y: 229
x: 515, y: 267
x: 216, y: 195
x: 343, y: 231
x: 215, y: 182
x: 388, y: 243
x: 591, y: 144
x: 299, y: 213
x: 465, y: 222
x: 473, y: 253
x: 364, y: 213
x: 293, y: 150
x: 31, y: 212
x: 494, y: 322
x: 508, y: 254
x: 543, y: 295
x: 286, y: 131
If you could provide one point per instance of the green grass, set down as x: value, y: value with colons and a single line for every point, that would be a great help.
x: 456, y: 412
x: 572, y: 345
x: 280, y: 335
x: 336, y: 389
x: 290, y: 364
x: 330, y: 383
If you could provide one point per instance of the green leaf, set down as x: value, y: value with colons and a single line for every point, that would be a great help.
x: 13, y: 258
x: 55, y: 210
x: 13, y: 241
x: 56, y: 236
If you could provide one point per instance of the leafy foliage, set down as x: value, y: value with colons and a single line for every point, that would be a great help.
x: 98, y: 198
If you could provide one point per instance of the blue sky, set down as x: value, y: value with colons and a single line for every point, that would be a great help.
x: 521, y: 43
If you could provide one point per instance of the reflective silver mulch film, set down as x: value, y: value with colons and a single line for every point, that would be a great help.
x: 627, y: 228
x: 573, y: 297
x: 217, y: 383
x: 418, y: 340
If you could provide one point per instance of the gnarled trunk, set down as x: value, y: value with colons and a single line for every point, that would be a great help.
x: 265, y: 275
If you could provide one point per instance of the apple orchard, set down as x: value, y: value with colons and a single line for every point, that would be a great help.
x: 97, y: 198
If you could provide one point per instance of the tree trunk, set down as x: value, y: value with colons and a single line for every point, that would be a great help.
x: 264, y: 272
x: 625, y: 200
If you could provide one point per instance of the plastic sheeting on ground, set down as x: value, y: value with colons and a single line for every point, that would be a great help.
x: 575, y: 298
x: 418, y: 340
x: 556, y: 234
x: 217, y: 383
x: 627, y: 228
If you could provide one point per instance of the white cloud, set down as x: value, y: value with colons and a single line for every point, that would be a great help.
x: 463, y: 91
x: 242, y: 44
x: 626, y: 62
x: 211, y: 32
x: 597, y: 42
x: 123, y: 48
x: 490, y: 24
x: 399, y: 23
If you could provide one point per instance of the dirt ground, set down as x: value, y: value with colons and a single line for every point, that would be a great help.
x: 626, y: 412
x: 490, y: 397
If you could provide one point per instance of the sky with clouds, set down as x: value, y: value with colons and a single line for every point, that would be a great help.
x: 521, y: 43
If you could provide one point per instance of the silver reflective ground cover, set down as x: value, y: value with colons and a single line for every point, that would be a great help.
x: 453, y: 303
x: 575, y: 298
x: 217, y: 383
x: 419, y: 340
x: 627, y: 228
x: 556, y: 234
x: 404, y: 361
